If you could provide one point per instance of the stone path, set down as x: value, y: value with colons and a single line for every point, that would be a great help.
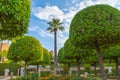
x: 5, y: 78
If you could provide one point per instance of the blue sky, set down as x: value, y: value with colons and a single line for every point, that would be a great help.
x: 43, y: 11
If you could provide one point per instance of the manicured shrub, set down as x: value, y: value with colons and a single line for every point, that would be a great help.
x: 45, y: 73
x: 87, y: 67
x: 11, y: 66
x: 32, y: 76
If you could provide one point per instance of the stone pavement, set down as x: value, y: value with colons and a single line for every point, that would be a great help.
x: 5, y: 78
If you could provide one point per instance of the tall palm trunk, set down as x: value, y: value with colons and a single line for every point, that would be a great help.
x: 100, y: 60
x: 55, y: 51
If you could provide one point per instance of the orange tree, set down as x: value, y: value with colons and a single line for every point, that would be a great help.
x: 62, y: 58
x: 14, y: 18
x: 46, y: 57
x: 78, y: 54
x: 96, y: 27
x: 27, y: 49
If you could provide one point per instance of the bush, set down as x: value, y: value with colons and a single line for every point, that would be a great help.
x: 45, y: 73
x: 52, y: 66
x: 33, y: 76
x: 68, y: 78
x: 87, y: 67
x: 65, y: 67
x: 11, y: 66
x: 54, y: 78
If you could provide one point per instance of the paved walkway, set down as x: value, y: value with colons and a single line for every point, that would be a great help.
x: 5, y: 78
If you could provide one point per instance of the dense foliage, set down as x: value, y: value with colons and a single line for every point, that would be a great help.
x: 75, y: 53
x: 96, y: 24
x: 61, y: 55
x: 3, y: 55
x: 14, y: 18
x: 68, y: 49
x: 96, y: 27
x: 11, y: 66
x: 112, y: 54
x: 26, y: 49
x: 46, y: 57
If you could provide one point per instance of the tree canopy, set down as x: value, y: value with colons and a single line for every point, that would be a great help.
x: 96, y: 27
x: 27, y: 49
x: 68, y: 49
x: 55, y: 25
x: 46, y: 57
x: 14, y: 18
x: 112, y: 53
x: 75, y: 52
x: 61, y: 55
x: 96, y: 24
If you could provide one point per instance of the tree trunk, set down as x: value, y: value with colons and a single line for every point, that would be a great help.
x: 37, y: 68
x: 69, y: 69
x: 25, y: 72
x: 78, y: 67
x: 38, y: 71
x: 117, y: 66
x: 1, y: 44
x: 95, y: 71
x: 19, y: 74
x: 55, y: 51
x: 100, y: 60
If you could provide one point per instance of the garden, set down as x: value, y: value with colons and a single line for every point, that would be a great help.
x: 91, y: 52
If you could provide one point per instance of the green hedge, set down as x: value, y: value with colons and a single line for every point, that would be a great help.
x: 13, y: 67
x: 45, y: 73
x: 33, y: 76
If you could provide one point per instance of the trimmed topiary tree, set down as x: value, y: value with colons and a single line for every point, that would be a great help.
x: 61, y: 55
x: 27, y: 49
x: 96, y: 27
x: 14, y: 18
x: 46, y: 57
x: 62, y: 58
x: 76, y: 53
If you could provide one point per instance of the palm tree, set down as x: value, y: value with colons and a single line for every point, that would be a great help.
x: 54, y: 26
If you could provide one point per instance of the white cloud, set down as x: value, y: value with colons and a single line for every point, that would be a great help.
x: 85, y: 3
x: 41, y: 32
x: 44, y: 33
x: 61, y: 38
x: 48, y: 13
x: 68, y: 17
x: 33, y: 28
